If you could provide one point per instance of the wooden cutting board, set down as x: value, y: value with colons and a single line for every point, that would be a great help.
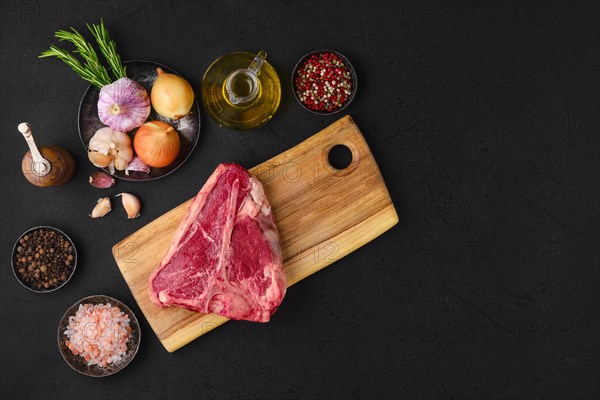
x: 322, y: 214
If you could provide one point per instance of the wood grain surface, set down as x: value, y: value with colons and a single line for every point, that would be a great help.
x: 322, y: 214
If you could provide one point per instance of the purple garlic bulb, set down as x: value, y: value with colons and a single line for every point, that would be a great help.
x: 123, y: 105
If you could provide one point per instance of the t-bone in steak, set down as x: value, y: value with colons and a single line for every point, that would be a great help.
x: 225, y: 257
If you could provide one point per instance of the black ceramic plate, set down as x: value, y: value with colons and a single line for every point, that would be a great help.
x: 188, y: 127
x: 77, y: 362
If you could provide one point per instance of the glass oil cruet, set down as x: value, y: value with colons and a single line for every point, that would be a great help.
x: 241, y: 90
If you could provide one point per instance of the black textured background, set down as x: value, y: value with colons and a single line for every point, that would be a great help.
x: 484, y: 120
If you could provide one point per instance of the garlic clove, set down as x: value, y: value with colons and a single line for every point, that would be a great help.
x: 110, y: 148
x: 102, y: 208
x: 101, y: 180
x: 99, y: 160
x: 121, y: 161
x: 131, y: 204
x: 136, y: 164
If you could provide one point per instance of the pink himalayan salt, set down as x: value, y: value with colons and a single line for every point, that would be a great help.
x: 99, y: 333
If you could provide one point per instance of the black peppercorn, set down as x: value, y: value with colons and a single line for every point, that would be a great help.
x: 44, y: 259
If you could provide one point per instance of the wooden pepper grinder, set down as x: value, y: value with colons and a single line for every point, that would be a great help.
x: 48, y: 166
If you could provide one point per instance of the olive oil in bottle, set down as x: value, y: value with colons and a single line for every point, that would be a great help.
x: 241, y: 90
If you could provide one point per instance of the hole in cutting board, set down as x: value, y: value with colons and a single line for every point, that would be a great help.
x: 340, y: 156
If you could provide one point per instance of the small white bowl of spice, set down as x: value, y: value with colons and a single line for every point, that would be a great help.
x: 98, y: 336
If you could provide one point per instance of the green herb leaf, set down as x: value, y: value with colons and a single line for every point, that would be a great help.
x: 91, y: 69
x: 108, y: 49
x: 74, y: 63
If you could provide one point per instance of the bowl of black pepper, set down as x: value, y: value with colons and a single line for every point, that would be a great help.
x: 324, y: 82
x: 44, y: 259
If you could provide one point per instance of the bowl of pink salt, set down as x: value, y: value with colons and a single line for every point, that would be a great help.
x: 98, y: 336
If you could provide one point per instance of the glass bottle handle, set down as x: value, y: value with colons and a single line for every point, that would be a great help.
x: 257, y: 63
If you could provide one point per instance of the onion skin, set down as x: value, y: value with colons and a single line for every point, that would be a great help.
x: 157, y: 144
x: 171, y: 95
x: 123, y: 105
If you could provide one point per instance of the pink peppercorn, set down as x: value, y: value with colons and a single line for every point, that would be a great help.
x: 323, y: 82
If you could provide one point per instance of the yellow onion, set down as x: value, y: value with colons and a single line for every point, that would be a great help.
x: 156, y: 143
x: 171, y: 95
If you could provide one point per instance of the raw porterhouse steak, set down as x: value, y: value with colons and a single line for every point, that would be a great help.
x: 225, y: 257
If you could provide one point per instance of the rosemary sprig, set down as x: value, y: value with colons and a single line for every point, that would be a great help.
x: 91, y: 69
x: 108, y: 49
x: 74, y: 63
x: 86, y: 51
